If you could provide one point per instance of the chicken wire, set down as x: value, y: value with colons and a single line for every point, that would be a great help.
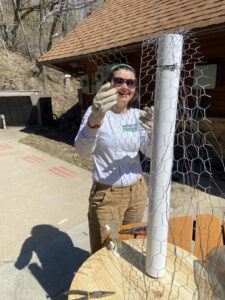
x: 195, y: 189
x: 193, y: 180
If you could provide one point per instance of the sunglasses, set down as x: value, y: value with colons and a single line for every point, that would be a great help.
x: 118, y: 81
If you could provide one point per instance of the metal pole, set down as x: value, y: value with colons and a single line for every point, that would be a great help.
x: 169, y: 57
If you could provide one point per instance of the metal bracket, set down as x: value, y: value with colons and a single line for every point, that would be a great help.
x: 173, y: 67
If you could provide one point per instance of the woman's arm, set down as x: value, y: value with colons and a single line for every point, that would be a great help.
x: 146, y: 128
x: 85, y: 140
x: 146, y: 142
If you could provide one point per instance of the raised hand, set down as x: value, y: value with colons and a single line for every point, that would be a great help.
x: 103, y: 101
x: 146, y: 119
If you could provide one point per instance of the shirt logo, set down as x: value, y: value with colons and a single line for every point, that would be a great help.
x: 129, y: 127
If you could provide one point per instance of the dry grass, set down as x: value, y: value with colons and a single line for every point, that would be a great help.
x: 57, y: 143
x: 19, y: 73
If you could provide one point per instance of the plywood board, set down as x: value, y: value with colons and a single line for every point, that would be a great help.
x: 180, y: 232
x: 125, y: 274
x: 208, y: 235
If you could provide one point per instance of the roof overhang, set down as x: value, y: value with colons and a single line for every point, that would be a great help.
x: 79, y: 64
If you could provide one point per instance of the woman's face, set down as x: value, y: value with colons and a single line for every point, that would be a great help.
x: 125, y: 89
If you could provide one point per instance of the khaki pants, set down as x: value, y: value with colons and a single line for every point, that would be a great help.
x: 125, y: 204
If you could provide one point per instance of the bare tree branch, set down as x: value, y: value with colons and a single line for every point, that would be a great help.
x: 51, y: 35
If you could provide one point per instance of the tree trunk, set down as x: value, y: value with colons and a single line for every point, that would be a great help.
x: 41, y: 28
x: 16, y: 6
x: 41, y: 41
x: 3, y: 27
x: 50, y: 39
x: 65, y: 17
x: 25, y: 38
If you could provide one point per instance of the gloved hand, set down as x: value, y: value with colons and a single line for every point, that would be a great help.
x: 105, y: 98
x: 146, y: 119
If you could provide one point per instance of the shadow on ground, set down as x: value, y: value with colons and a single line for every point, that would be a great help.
x: 61, y: 129
x: 57, y: 261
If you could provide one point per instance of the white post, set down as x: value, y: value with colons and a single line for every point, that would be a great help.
x: 67, y: 80
x: 165, y: 107
x: 2, y: 118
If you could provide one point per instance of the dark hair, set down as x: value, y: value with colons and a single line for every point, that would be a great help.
x: 118, y: 67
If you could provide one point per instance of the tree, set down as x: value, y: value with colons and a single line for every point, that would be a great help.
x: 34, y: 26
x: 16, y: 7
x: 3, y: 26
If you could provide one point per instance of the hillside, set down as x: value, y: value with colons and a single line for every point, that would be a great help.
x: 19, y: 73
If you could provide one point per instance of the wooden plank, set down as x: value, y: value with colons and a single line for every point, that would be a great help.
x: 125, y: 274
x: 180, y: 232
x: 208, y: 235
x: 223, y: 231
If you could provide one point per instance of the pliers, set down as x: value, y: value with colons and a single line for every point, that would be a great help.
x: 89, y: 295
x: 135, y: 231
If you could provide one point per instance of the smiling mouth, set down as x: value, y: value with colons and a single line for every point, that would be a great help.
x: 122, y: 94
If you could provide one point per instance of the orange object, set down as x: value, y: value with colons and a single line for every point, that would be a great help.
x: 197, y: 235
x: 208, y: 235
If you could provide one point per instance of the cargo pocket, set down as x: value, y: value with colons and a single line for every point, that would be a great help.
x: 97, y: 198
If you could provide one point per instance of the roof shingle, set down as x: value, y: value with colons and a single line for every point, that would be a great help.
x: 119, y: 22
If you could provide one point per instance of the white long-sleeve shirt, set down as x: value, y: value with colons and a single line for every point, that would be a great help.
x: 114, y: 146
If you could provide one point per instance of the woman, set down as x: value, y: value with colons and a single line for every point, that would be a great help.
x: 114, y: 134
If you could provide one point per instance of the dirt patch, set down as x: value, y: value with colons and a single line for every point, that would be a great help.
x: 58, y: 143
x: 190, y: 201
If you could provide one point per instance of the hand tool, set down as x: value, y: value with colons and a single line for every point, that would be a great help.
x: 89, y: 295
x: 135, y: 231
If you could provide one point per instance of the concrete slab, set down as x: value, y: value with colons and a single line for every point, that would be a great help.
x: 43, y: 220
x: 46, y: 270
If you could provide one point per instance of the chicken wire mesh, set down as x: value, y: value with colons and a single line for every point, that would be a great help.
x: 194, y: 184
x: 195, y: 192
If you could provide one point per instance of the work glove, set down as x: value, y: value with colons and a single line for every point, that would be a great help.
x: 146, y: 119
x: 103, y: 101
